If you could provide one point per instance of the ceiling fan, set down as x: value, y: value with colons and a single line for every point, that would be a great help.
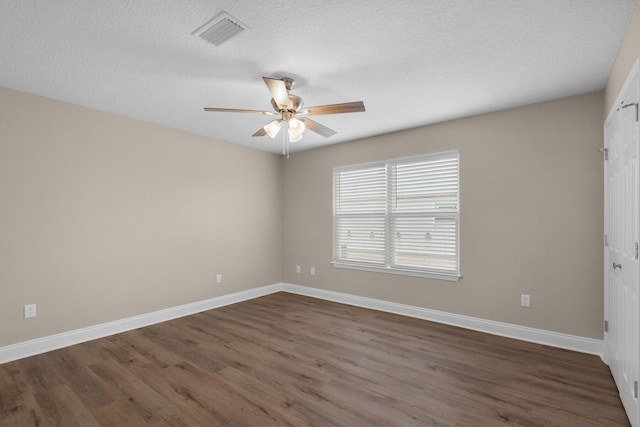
x: 290, y: 109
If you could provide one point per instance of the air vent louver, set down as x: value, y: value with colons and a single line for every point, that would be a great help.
x: 219, y: 29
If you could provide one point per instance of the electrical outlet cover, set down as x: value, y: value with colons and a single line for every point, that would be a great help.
x: 29, y: 311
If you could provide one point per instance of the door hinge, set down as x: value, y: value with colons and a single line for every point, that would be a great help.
x: 606, y: 326
x: 606, y: 153
x: 636, y: 250
x: 635, y: 389
x: 633, y: 104
x: 606, y: 240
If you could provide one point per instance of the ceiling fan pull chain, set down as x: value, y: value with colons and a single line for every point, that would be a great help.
x: 287, y: 139
x: 285, y: 144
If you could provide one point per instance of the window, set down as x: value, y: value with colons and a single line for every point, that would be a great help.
x: 400, y: 216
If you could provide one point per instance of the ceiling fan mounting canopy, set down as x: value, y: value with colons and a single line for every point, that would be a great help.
x: 290, y: 109
x: 288, y: 82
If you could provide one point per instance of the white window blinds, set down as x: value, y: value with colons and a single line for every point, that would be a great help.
x: 399, y: 216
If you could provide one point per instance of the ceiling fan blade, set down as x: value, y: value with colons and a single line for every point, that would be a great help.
x: 233, y: 110
x: 317, y: 127
x: 260, y: 132
x: 347, y: 107
x: 278, y: 91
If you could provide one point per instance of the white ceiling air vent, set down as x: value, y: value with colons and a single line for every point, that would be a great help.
x: 220, y: 28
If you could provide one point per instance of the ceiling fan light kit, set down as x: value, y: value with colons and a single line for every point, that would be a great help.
x: 296, y: 129
x: 289, y: 107
x: 272, y: 128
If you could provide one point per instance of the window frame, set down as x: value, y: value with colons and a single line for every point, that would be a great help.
x: 390, y: 243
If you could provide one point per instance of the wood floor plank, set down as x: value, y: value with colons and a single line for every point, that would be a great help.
x: 161, y: 380
x: 17, y: 402
x: 119, y: 413
x: 146, y: 402
x: 149, y: 350
x: 290, y: 360
x: 85, y: 384
x: 61, y: 406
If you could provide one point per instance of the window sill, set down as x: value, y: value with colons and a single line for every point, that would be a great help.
x: 453, y: 277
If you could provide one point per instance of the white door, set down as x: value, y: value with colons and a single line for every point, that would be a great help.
x: 622, y: 221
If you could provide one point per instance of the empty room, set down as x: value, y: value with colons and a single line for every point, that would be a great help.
x: 298, y: 213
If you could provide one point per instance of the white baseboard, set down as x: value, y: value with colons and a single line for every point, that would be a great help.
x: 65, y: 339
x: 539, y: 336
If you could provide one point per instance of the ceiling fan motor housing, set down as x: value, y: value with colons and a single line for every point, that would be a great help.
x: 295, y: 105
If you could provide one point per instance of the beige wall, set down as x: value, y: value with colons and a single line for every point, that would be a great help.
x: 627, y: 55
x: 531, y: 216
x: 104, y: 217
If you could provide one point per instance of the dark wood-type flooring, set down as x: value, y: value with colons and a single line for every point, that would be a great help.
x: 290, y: 360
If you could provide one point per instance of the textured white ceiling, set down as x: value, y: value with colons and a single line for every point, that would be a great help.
x: 412, y: 62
